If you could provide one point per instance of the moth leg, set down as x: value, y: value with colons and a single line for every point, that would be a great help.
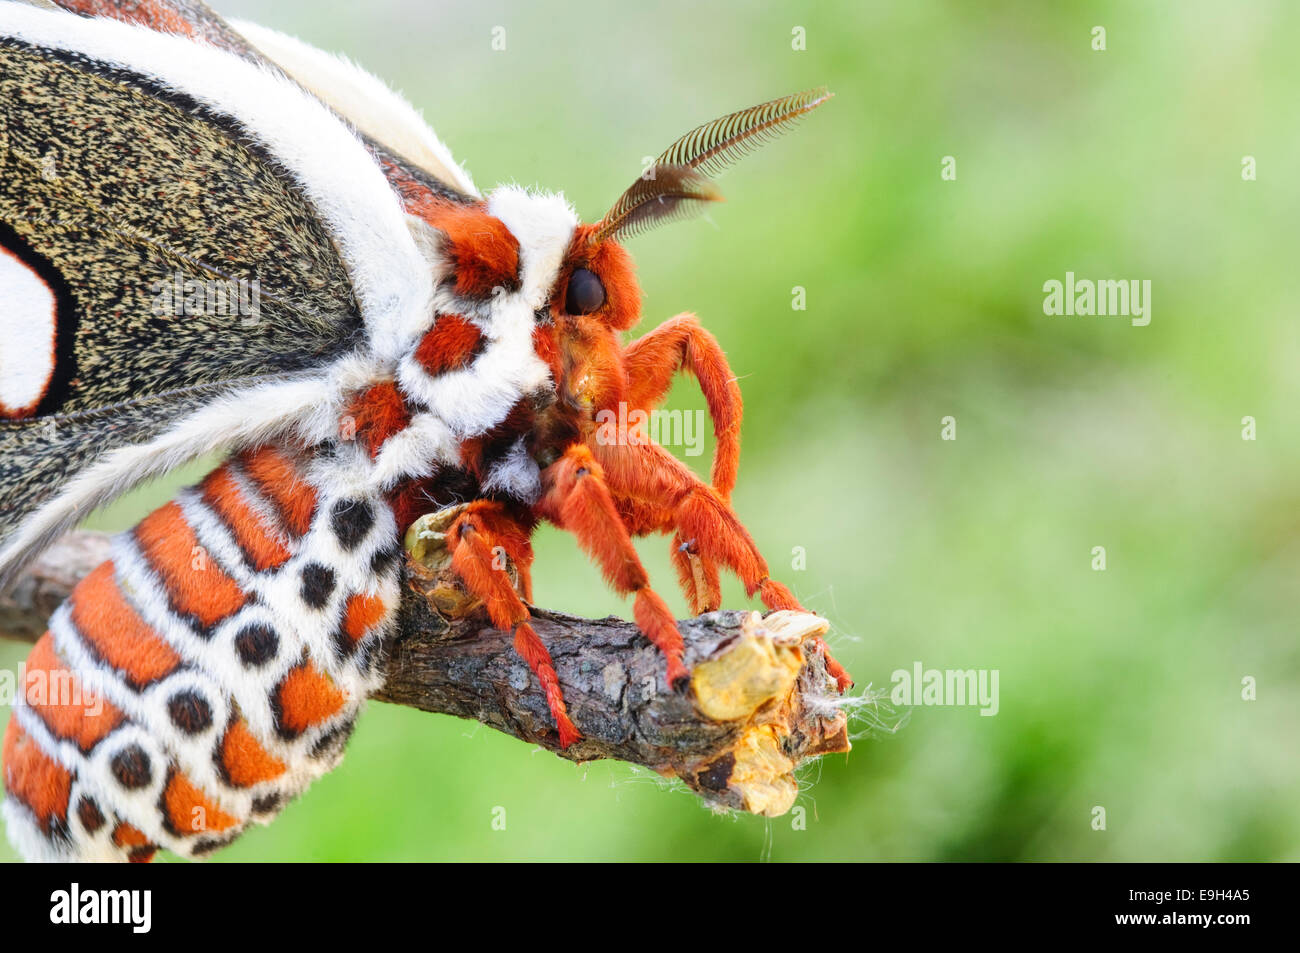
x: 697, y: 574
x: 682, y: 344
x: 575, y: 498
x: 704, y: 523
x: 480, y: 535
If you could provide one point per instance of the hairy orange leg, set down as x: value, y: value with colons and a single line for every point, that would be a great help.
x: 682, y: 344
x: 480, y: 534
x: 575, y: 498
x: 703, y: 521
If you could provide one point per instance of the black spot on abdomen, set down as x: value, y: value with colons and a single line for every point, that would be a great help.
x: 317, y: 584
x: 190, y: 712
x: 257, y: 644
x: 351, y: 520
x: 131, y: 768
x: 91, y: 817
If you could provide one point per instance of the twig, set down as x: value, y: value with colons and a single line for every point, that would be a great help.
x: 759, y: 702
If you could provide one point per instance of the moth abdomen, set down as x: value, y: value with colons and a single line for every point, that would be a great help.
x: 209, y: 671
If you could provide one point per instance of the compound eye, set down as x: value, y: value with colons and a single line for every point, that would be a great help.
x: 586, y: 294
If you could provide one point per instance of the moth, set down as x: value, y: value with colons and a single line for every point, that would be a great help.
x: 414, y: 343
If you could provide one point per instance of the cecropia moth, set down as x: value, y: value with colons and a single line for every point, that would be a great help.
x: 216, y: 239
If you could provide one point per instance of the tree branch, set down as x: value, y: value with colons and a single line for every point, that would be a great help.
x: 759, y: 702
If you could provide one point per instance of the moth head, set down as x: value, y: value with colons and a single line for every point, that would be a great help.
x: 523, y: 257
x: 595, y: 295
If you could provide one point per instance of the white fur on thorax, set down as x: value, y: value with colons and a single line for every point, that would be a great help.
x: 543, y: 224
x: 472, y: 400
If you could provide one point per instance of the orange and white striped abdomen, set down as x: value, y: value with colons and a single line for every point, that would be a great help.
x: 209, y: 671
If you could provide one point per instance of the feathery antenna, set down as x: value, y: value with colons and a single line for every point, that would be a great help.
x: 662, y: 194
x: 712, y: 147
x: 675, y: 185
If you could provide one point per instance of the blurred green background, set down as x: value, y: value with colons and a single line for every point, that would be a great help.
x: 1120, y: 689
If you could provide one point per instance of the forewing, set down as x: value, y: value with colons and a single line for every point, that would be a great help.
x: 178, y: 254
x: 178, y: 229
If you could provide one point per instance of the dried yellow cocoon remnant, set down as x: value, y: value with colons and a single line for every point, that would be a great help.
x: 763, y: 775
x: 752, y: 671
